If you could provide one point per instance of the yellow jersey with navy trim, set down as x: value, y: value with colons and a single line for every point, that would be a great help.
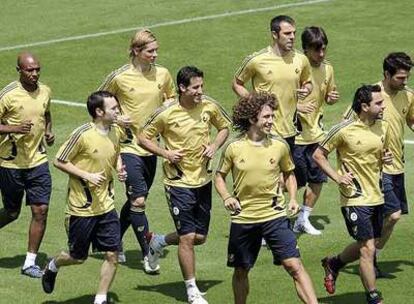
x: 398, y: 109
x: 139, y: 95
x: 256, y: 168
x: 310, y: 125
x: 23, y: 151
x: 189, y: 130
x: 359, y: 149
x: 281, y: 76
x: 93, y: 151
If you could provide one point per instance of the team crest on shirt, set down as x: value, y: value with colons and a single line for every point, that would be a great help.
x: 326, y: 81
x: 297, y: 70
x: 205, y: 117
x: 131, y: 89
x: 272, y: 161
x: 159, y: 86
x: 269, y: 72
x: 382, y: 139
x: 404, y: 110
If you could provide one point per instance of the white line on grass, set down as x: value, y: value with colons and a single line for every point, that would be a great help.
x: 167, y: 23
x: 82, y: 105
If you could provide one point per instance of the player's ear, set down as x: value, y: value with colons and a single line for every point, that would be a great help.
x: 17, y: 68
x: 182, y: 88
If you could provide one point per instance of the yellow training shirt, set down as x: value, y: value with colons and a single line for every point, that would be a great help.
x: 256, y: 168
x: 359, y: 150
x: 139, y: 95
x: 187, y: 129
x: 90, y: 150
x: 281, y: 76
x: 310, y: 125
x: 23, y: 151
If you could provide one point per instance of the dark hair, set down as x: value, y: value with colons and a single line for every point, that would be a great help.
x: 276, y: 21
x: 249, y: 107
x: 314, y: 38
x: 396, y: 61
x: 185, y: 74
x: 364, y: 95
x: 96, y: 101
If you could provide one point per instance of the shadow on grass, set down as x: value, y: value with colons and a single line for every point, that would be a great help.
x: 18, y: 260
x: 346, y: 298
x: 385, y: 266
x: 176, y: 290
x: 133, y: 258
x: 87, y: 299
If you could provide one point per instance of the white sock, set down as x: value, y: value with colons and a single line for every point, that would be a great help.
x: 52, y: 266
x: 306, y: 211
x: 191, y: 286
x: 30, y: 260
x: 162, y: 241
x: 100, y: 298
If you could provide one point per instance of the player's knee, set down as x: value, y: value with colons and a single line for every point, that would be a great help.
x: 293, y: 267
x: 138, y: 204
x: 200, y: 239
x: 40, y: 212
x: 240, y: 273
x: 188, y: 239
x: 112, y: 257
x: 393, y: 218
x: 367, y: 250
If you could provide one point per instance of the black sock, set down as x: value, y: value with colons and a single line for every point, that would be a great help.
x: 337, y: 264
x: 124, y: 218
x: 139, y: 223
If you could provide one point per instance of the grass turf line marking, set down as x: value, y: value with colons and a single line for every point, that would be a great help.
x: 167, y: 23
x: 82, y: 105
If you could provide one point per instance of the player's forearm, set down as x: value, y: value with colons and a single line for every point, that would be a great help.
x: 322, y: 161
x: 70, y: 168
x: 221, y: 187
x: 221, y: 137
x: 5, y: 129
x: 48, y: 119
x: 291, y: 185
x: 308, y: 86
x: 239, y: 88
x: 150, y: 146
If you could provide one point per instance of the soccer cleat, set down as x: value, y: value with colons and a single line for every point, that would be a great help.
x: 33, y: 271
x: 197, y: 299
x: 121, y: 257
x: 148, y: 269
x: 305, y: 227
x: 330, y: 275
x: 155, y: 250
x: 374, y: 297
x: 48, y: 280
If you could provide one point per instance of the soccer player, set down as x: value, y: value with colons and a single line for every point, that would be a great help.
x: 141, y: 87
x: 256, y: 159
x: 185, y: 128
x: 25, y: 126
x: 361, y: 148
x: 281, y: 70
x: 399, y: 110
x: 308, y: 174
x: 88, y: 157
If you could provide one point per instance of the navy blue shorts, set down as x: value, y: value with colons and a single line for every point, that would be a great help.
x: 363, y: 222
x: 190, y: 208
x: 394, y: 193
x: 103, y: 231
x: 245, y: 242
x: 306, y: 170
x: 36, y: 182
x: 141, y: 173
x: 291, y: 142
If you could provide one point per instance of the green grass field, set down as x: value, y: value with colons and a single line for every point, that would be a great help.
x: 360, y: 34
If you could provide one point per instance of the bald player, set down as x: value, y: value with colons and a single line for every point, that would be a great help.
x: 25, y: 127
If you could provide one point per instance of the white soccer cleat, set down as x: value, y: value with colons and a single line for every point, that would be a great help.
x: 197, y: 299
x: 121, y: 257
x: 155, y: 250
x: 148, y: 269
x: 305, y: 227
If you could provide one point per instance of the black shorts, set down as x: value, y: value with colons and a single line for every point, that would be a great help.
x: 291, y: 142
x: 394, y: 193
x: 103, y: 231
x: 245, y: 242
x: 306, y: 169
x: 190, y: 208
x: 36, y: 182
x: 141, y: 173
x: 363, y: 222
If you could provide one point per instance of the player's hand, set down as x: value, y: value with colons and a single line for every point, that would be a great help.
x: 174, y: 156
x: 24, y: 127
x: 306, y: 108
x: 122, y: 174
x: 96, y: 179
x: 387, y: 157
x: 209, y: 150
x: 346, y: 179
x: 49, y: 138
x: 332, y: 96
x: 232, y: 204
x: 124, y: 121
x: 303, y: 92
x: 293, y: 207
